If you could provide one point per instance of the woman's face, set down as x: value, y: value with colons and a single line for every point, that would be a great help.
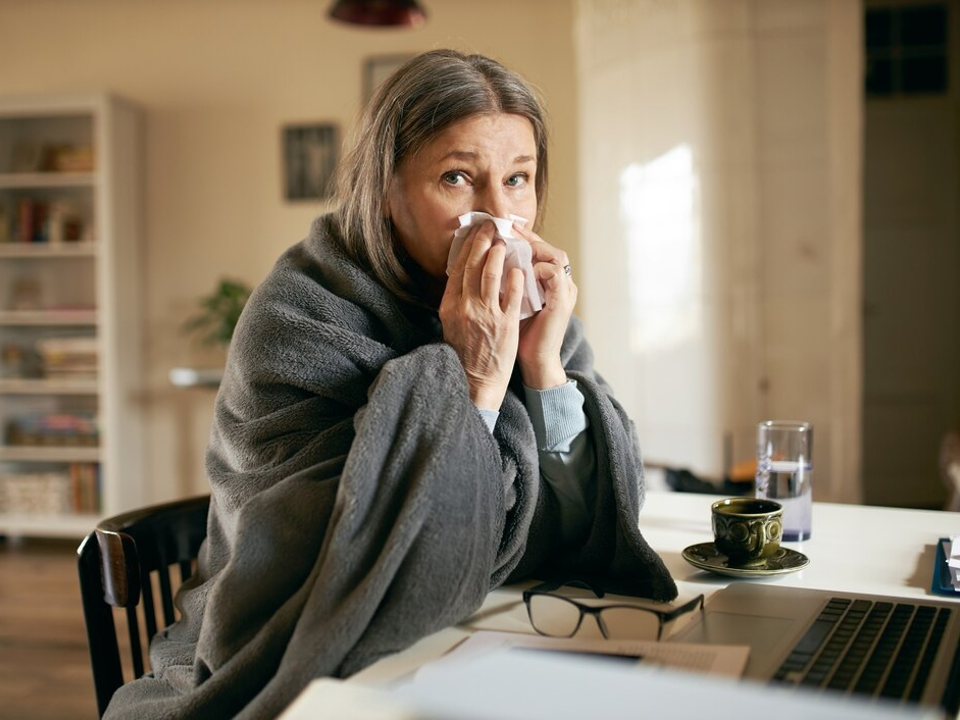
x: 484, y: 163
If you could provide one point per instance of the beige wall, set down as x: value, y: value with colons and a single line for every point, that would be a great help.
x: 217, y: 79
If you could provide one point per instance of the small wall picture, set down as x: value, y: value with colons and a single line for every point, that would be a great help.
x: 309, y: 161
x: 377, y: 69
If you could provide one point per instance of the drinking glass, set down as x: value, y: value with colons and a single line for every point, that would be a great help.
x: 785, y: 472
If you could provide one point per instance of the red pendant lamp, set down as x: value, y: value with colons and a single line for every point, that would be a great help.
x: 379, y: 13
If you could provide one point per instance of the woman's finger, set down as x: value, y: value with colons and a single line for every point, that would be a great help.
x: 458, y: 268
x: 480, y: 240
x: 513, y: 294
x: 542, y: 250
x: 491, y: 275
x: 554, y: 280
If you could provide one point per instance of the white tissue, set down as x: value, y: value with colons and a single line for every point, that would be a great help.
x: 519, y: 255
x: 953, y: 551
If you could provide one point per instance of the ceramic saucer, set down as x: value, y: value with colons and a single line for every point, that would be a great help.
x: 706, y: 557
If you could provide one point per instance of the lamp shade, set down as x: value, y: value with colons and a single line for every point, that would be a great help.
x: 382, y: 13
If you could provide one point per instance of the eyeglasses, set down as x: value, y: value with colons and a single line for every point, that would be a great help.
x: 557, y: 616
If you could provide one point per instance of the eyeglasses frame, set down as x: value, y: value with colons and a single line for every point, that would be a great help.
x: 548, y: 588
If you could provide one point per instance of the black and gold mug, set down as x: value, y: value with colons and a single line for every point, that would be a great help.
x: 747, y: 530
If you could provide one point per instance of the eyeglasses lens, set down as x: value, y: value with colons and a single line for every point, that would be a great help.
x: 628, y: 623
x: 553, y: 616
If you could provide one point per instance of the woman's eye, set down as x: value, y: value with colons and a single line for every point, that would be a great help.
x: 454, y: 177
x: 517, y: 180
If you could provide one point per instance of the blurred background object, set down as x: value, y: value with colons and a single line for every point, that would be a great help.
x: 380, y: 13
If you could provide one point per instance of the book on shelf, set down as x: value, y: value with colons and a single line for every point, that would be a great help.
x: 68, y: 357
x: 85, y: 487
x: 30, y: 220
x: 14, y: 361
x: 36, y: 493
x: 53, y: 429
x: 30, y: 156
x: 6, y: 220
x: 63, y: 157
x: 73, y: 490
x: 41, y: 221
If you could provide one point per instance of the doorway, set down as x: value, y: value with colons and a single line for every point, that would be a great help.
x: 911, y: 343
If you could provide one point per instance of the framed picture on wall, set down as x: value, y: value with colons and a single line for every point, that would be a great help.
x: 309, y: 160
x: 379, y: 68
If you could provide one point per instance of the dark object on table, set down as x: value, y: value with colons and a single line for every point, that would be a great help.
x: 682, y: 480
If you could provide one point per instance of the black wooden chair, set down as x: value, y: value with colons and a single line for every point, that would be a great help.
x: 126, y: 563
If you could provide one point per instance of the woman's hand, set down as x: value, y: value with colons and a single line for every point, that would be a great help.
x: 542, y: 335
x: 483, y: 328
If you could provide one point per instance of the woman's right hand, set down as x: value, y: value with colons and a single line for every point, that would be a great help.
x: 482, y: 327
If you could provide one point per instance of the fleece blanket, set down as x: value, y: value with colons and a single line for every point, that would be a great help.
x: 359, y: 502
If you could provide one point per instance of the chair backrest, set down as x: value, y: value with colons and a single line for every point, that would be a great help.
x: 126, y: 563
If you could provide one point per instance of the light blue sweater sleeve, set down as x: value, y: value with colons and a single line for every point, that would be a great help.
x: 567, y: 460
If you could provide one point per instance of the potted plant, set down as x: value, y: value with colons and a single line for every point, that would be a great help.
x: 220, y: 311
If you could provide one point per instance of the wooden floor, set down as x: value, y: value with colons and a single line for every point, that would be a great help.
x: 44, y: 665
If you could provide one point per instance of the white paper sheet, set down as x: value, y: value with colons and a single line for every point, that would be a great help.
x: 508, y: 683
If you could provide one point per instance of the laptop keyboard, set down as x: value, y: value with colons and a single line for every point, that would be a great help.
x: 870, y: 648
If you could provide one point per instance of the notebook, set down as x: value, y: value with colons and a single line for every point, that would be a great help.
x: 944, y: 577
x: 863, y: 645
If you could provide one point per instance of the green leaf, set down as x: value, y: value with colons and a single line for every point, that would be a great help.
x: 220, y: 312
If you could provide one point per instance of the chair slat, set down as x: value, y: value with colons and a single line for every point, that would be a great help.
x: 136, y: 649
x: 166, y: 595
x: 186, y: 570
x: 149, y: 609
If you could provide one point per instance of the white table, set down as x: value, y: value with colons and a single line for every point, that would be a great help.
x: 884, y: 551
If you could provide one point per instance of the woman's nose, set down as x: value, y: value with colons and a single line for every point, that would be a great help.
x: 493, y: 200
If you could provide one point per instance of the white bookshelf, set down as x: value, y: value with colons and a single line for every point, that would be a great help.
x: 69, y: 272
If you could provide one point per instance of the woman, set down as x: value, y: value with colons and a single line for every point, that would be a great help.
x: 391, y: 442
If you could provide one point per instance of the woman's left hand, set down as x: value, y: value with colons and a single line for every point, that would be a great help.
x: 542, y: 335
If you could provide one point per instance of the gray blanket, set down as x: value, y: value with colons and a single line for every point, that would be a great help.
x: 360, y: 503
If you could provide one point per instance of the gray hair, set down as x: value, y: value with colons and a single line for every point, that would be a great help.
x: 426, y: 95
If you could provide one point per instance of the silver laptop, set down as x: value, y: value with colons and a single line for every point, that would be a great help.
x: 871, y: 645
